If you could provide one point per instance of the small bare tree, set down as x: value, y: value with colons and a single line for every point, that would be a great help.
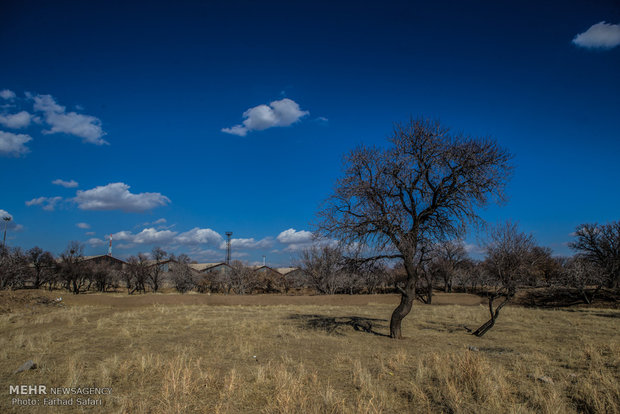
x: 241, y: 279
x: 43, y: 265
x: 182, y: 275
x: 509, y: 261
x: 447, y: 259
x: 137, y: 273
x: 600, y: 245
x: 14, y: 269
x: 426, y: 187
x: 323, y: 265
x: 583, y: 275
x: 72, y: 267
x: 158, y: 255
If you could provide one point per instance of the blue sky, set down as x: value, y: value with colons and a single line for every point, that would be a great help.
x: 171, y: 123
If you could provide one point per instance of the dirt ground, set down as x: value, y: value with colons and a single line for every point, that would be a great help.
x: 24, y: 298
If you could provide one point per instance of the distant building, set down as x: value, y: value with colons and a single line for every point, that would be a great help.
x: 104, y: 259
x: 295, y: 277
x: 217, y: 267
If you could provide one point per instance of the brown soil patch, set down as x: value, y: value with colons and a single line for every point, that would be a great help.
x: 20, y: 299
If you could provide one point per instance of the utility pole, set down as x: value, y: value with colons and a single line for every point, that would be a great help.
x: 6, y: 223
x: 228, y: 234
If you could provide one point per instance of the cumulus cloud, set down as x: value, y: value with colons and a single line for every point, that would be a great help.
x: 280, y: 113
x: 601, y: 35
x: 146, y: 236
x: 294, y: 236
x: 83, y: 225
x: 47, y: 203
x: 13, y: 145
x: 86, y: 127
x: 7, y: 94
x: 198, y: 236
x: 250, y: 243
x: 66, y: 184
x: 16, y: 121
x: 296, y: 240
x: 116, y: 196
x: 94, y: 242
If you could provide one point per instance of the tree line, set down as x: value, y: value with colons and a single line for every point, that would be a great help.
x: 511, y: 260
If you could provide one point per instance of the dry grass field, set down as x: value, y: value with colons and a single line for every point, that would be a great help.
x: 276, y: 354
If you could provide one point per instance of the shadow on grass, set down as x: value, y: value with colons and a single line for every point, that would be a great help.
x: 566, y: 297
x: 332, y: 325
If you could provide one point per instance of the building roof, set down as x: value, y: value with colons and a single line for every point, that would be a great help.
x: 286, y: 270
x: 85, y: 258
x: 201, y: 267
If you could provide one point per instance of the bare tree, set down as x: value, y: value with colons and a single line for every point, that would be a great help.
x: 137, y: 273
x: 425, y: 187
x: 241, y: 279
x: 158, y: 255
x: 583, y: 275
x: 13, y: 268
x: 42, y: 265
x: 72, y: 267
x: 600, y: 245
x: 447, y: 259
x: 182, y: 275
x: 509, y: 261
x: 323, y: 265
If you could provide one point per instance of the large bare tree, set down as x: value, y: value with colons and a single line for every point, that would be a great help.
x: 425, y: 187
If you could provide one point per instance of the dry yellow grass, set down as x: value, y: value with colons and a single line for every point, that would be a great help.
x: 309, y: 358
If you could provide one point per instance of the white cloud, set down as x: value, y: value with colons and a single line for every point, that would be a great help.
x: 7, y: 94
x: 86, y: 127
x: 12, y: 145
x: 146, y: 236
x: 15, y: 121
x: 297, y: 247
x: 90, y: 233
x: 160, y: 221
x: 472, y: 248
x: 280, y: 113
x: 250, y: 243
x: 116, y: 196
x: 10, y: 225
x: 47, y: 203
x: 66, y: 184
x: 294, y: 236
x: 95, y: 242
x: 83, y: 225
x: 198, y: 236
x: 602, y: 35
x: 4, y: 213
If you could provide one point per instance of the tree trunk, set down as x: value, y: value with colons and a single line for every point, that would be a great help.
x: 491, y: 322
x: 403, y: 308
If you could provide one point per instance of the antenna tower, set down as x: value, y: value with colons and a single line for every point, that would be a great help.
x: 228, y: 234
